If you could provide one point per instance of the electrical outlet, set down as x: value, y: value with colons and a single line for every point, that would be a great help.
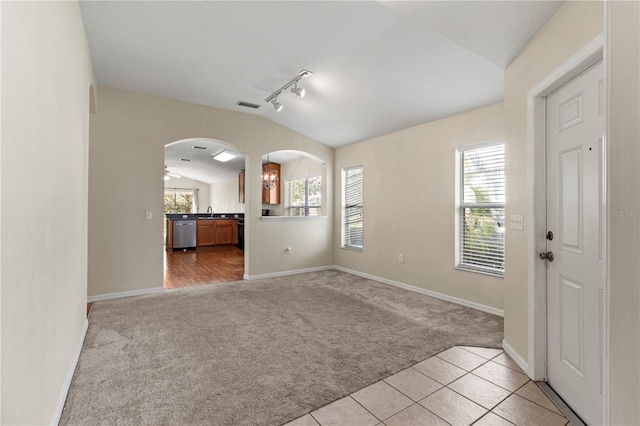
x: 401, y: 258
x: 148, y: 215
x: 517, y: 222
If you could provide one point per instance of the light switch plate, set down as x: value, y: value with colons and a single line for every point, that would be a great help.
x: 517, y: 222
x: 148, y: 215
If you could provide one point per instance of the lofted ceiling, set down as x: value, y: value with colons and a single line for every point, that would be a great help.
x: 201, y: 165
x: 193, y: 159
x: 378, y: 66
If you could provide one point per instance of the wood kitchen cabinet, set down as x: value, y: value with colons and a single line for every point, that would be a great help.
x: 169, y: 243
x: 206, y: 232
x: 271, y: 196
x: 214, y: 232
x: 241, y: 187
x: 234, y: 235
x: 224, y: 231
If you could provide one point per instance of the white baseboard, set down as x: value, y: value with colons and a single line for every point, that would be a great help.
x: 291, y: 272
x: 516, y: 357
x: 91, y: 299
x: 67, y: 381
x: 457, y: 300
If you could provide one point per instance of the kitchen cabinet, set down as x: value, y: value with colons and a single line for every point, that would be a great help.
x: 214, y: 232
x: 271, y: 196
x: 224, y: 231
x: 234, y: 235
x: 206, y: 232
x: 241, y: 187
x: 169, y: 243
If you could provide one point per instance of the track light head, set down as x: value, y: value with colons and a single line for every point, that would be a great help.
x: 277, y: 105
x: 298, y: 90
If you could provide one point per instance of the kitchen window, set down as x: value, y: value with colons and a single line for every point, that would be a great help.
x: 303, y: 197
x: 178, y: 200
x: 480, y: 208
x: 352, y: 208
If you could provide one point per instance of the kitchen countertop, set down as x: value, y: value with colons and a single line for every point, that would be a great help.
x: 204, y: 216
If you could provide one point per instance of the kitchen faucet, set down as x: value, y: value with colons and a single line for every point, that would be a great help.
x: 210, y: 210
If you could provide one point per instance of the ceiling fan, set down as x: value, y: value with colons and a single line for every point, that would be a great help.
x: 168, y: 174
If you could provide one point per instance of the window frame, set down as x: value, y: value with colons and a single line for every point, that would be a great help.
x: 343, y: 228
x: 181, y: 191
x: 461, y: 205
x: 306, y: 206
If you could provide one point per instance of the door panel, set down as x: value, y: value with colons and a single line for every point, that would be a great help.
x: 570, y: 186
x: 575, y: 214
x: 571, y: 323
x: 570, y: 112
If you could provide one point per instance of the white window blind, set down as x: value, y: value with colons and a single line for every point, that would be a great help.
x: 303, y: 197
x: 481, y: 208
x: 352, y: 207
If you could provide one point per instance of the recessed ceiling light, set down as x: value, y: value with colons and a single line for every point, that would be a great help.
x: 198, y: 147
x: 224, y: 156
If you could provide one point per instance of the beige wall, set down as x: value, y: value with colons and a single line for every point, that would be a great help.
x: 409, y: 204
x: 186, y: 183
x: 624, y: 173
x: 568, y: 30
x: 224, y: 196
x: 46, y: 76
x: 125, y: 251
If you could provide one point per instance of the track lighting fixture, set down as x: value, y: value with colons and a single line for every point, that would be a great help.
x: 277, y: 105
x: 273, y: 98
x: 298, y: 90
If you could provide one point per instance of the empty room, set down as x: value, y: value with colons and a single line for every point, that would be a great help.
x: 320, y: 213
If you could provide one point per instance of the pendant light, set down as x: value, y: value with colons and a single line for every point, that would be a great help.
x: 270, y: 178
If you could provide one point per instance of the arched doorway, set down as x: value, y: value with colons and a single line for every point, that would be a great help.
x: 204, y: 215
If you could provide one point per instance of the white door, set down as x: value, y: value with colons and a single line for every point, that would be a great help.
x: 575, y: 216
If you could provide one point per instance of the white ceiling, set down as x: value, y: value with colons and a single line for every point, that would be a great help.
x: 203, y: 167
x: 378, y: 66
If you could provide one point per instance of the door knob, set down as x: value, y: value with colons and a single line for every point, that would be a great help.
x: 547, y: 256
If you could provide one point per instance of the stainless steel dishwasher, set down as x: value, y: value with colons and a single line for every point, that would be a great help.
x: 184, y: 234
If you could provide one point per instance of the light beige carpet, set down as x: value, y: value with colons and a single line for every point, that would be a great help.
x: 257, y: 353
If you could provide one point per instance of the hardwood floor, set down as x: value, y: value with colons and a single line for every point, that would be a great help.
x: 205, y: 265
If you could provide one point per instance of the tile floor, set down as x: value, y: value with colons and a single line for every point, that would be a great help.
x: 460, y: 386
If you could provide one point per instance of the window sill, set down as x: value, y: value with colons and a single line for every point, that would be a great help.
x: 294, y: 218
x: 479, y: 271
x: 358, y: 249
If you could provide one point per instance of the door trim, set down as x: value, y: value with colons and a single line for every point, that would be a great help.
x: 536, y: 242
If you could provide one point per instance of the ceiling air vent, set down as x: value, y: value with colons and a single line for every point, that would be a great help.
x: 184, y: 159
x: 247, y: 104
x: 198, y: 147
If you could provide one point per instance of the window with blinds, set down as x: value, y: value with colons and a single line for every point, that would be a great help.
x: 352, y: 207
x: 303, y: 197
x: 481, y: 220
